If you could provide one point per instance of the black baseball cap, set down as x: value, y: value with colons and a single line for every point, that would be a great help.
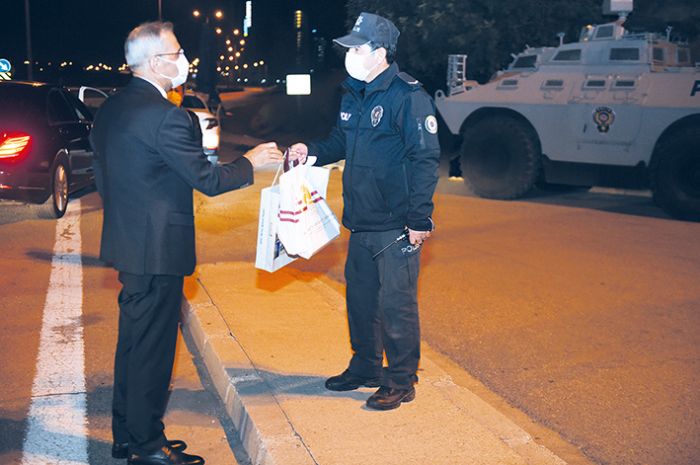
x: 370, y: 28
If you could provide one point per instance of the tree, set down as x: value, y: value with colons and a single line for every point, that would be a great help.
x: 490, y: 30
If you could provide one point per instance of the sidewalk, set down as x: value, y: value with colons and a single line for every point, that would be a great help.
x: 270, y: 340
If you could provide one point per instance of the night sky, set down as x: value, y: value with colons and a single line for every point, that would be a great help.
x: 89, y: 31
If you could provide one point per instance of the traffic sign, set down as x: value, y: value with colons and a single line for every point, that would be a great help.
x: 5, y: 66
x: 5, y: 76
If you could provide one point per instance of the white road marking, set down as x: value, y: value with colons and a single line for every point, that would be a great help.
x: 57, y: 430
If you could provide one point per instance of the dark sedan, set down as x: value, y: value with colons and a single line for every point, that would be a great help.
x: 45, y: 154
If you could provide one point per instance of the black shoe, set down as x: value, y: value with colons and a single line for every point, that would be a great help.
x: 120, y: 450
x: 346, y: 381
x: 387, y: 398
x: 165, y: 456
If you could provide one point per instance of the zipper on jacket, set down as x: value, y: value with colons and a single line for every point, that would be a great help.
x: 354, y: 147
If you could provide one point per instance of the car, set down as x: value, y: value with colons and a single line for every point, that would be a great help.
x: 209, y: 123
x: 45, y: 153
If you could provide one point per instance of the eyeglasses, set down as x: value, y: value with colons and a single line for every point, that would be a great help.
x: 178, y: 53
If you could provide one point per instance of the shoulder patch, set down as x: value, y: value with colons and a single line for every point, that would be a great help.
x: 408, y: 79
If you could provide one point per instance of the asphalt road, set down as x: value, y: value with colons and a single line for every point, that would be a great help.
x: 581, y: 309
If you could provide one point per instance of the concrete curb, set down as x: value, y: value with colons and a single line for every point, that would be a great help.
x: 265, y: 431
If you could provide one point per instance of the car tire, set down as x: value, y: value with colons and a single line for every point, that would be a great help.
x: 675, y: 173
x: 501, y: 158
x: 57, y: 203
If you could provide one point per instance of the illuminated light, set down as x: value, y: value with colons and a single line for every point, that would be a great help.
x: 255, y: 65
x: 245, y: 80
x: 196, y: 13
x: 230, y: 58
x: 230, y: 49
x: 242, y: 42
x: 228, y: 68
x: 219, y: 14
x: 262, y: 62
x: 236, y: 67
x: 245, y: 66
x: 228, y: 41
x: 298, y: 19
x: 218, y: 30
x: 26, y: 62
x: 14, y: 144
x: 236, y: 32
x: 218, y: 68
x: 298, y: 84
x: 238, y: 54
x: 221, y: 57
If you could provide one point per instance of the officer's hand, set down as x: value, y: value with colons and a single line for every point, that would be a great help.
x: 417, y: 237
x: 264, y: 154
x: 298, y: 152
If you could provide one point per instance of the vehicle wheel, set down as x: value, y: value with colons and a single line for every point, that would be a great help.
x: 675, y: 173
x: 57, y: 203
x: 500, y: 158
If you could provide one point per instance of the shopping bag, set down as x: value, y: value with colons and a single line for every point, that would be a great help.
x: 270, y: 253
x: 306, y: 222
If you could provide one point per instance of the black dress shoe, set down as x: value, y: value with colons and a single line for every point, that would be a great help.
x: 387, y: 398
x: 120, y: 450
x: 165, y: 456
x: 346, y: 381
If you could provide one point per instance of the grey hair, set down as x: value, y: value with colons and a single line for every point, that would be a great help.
x: 143, y: 41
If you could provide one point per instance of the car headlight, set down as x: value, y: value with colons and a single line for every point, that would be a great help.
x: 211, y: 122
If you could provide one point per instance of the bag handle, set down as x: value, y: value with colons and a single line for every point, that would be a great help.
x: 286, y: 165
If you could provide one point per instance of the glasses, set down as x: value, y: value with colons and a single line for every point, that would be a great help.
x: 178, y: 53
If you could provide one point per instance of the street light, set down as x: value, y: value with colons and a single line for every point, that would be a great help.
x: 218, y: 30
x: 236, y: 32
x: 242, y: 42
x: 196, y: 13
x: 219, y: 14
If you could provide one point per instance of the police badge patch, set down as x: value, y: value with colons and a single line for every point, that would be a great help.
x: 603, y: 117
x: 431, y: 124
x: 376, y: 115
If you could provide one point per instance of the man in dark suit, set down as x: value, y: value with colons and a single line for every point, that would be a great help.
x: 147, y: 163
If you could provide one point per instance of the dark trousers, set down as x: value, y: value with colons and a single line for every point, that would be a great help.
x: 383, y: 307
x: 149, y: 313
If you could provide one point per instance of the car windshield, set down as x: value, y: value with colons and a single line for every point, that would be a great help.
x: 190, y: 101
x: 21, y: 102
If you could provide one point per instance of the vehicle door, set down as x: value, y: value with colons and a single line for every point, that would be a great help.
x: 73, y: 122
x: 92, y: 98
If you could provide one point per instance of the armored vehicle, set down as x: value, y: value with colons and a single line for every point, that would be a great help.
x: 615, y: 109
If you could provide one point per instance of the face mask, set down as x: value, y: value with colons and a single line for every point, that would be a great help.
x: 354, y: 65
x: 183, y: 69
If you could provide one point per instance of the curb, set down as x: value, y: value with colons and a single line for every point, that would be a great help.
x: 264, y: 429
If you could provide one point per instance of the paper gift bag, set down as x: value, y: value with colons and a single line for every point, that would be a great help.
x: 270, y: 254
x: 306, y: 222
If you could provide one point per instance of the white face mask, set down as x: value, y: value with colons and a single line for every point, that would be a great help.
x: 183, y: 69
x: 355, y: 65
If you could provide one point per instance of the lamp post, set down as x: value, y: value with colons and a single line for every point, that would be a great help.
x: 160, y: 10
x: 30, y: 61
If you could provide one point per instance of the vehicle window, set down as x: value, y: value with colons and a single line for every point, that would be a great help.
x: 604, y: 32
x: 594, y: 84
x: 624, y: 54
x: 527, y: 61
x: 190, y: 101
x: 625, y: 84
x: 683, y: 56
x: 568, y: 55
x: 22, y: 102
x: 509, y: 83
x: 553, y: 84
x: 658, y: 54
x: 59, y: 109
x: 83, y: 112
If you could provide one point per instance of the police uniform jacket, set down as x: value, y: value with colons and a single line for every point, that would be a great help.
x: 147, y: 162
x: 387, y: 134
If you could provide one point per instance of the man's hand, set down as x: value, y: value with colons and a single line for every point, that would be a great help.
x: 417, y: 237
x: 298, y: 152
x: 264, y: 154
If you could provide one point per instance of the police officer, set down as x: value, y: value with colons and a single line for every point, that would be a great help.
x: 387, y: 133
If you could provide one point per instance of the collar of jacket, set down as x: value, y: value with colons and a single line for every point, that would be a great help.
x: 143, y: 85
x: 378, y: 84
